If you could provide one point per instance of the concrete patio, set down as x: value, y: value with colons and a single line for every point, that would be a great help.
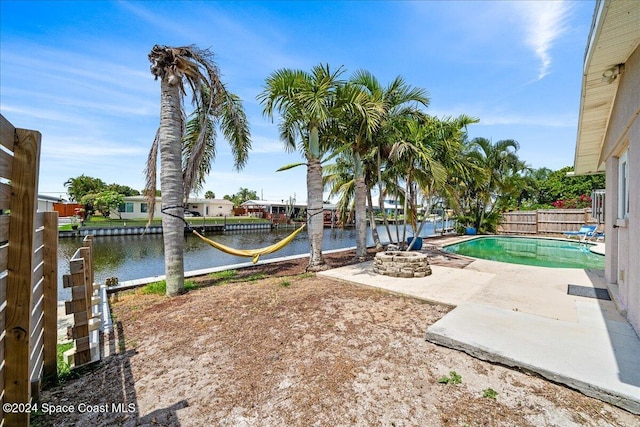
x: 522, y: 316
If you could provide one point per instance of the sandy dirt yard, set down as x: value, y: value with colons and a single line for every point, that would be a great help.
x: 275, y: 346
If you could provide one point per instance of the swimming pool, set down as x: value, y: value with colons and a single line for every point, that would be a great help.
x: 529, y: 251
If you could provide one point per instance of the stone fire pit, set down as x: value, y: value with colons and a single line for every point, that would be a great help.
x: 401, y: 264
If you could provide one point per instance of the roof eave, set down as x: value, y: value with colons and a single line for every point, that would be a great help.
x: 598, y: 94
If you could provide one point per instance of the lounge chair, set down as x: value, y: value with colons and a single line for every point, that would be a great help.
x: 596, y: 236
x: 586, y: 231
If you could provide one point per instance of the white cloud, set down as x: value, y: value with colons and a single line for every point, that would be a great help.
x: 86, y: 148
x: 265, y: 145
x: 544, y: 22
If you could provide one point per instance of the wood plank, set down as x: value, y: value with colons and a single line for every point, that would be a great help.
x: 76, y: 265
x: 76, y: 306
x: 19, y: 263
x: 88, y: 276
x: 4, y: 228
x: 82, y: 344
x: 39, y: 221
x: 81, y: 358
x: 38, y: 243
x: 36, y: 348
x: 5, y: 196
x: 88, y: 256
x: 71, y: 280
x: 37, y: 315
x: 81, y: 318
x: 50, y: 294
x: 37, y: 320
x: 7, y: 133
x: 6, y: 164
x: 78, y: 293
x: 38, y: 284
x: 3, y: 297
x: 4, y: 253
x: 94, y: 324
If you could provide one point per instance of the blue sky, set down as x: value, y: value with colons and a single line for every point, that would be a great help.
x: 78, y: 72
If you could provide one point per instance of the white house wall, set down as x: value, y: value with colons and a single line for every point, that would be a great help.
x: 623, y: 236
x: 217, y: 207
x: 137, y: 211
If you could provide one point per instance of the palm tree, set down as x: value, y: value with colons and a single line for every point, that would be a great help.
x: 338, y: 178
x: 424, y: 155
x: 498, y: 162
x: 359, y: 116
x: 306, y: 103
x: 378, y: 107
x: 187, y: 149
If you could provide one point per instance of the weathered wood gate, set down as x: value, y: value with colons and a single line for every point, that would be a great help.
x: 84, y: 305
x: 28, y: 276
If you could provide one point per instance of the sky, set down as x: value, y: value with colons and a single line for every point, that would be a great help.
x: 78, y: 72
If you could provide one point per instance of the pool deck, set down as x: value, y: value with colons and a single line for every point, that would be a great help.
x: 522, y: 316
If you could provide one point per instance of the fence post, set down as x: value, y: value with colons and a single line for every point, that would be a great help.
x: 50, y: 369
x: 537, y: 224
x: 24, y: 195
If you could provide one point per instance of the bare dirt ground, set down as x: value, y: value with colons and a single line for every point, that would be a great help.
x: 292, y: 349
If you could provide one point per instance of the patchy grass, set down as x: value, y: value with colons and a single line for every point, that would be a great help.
x: 160, y: 288
x: 318, y: 351
x: 64, y: 369
x: 285, y: 283
x: 489, y: 393
x: 453, y: 378
x: 223, y: 276
x: 232, y: 276
x: 255, y: 277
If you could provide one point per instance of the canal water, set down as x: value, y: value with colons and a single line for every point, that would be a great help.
x: 135, y: 256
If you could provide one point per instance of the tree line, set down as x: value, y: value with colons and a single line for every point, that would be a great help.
x: 353, y: 133
x: 95, y: 195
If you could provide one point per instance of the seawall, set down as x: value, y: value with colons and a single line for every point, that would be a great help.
x: 139, y: 230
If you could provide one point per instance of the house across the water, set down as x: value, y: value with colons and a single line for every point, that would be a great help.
x: 282, y: 211
x: 137, y: 207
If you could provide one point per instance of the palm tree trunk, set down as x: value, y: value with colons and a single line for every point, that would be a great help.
x: 397, y: 213
x: 361, y: 207
x: 385, y: 219
x: 405, y: 211
x: 372, y: 221
x: 316, y: 223
x: 171, y: 185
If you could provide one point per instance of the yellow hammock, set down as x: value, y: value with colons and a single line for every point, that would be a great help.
x: 252, y: 253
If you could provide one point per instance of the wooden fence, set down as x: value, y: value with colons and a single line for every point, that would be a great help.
x: 84, y: 305
x: 28, y: 275
x: 545, y: 221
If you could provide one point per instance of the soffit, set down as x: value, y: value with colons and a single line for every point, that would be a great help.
x: 613, y: 38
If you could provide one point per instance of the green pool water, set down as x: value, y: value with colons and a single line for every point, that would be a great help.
x: 528, y: 251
